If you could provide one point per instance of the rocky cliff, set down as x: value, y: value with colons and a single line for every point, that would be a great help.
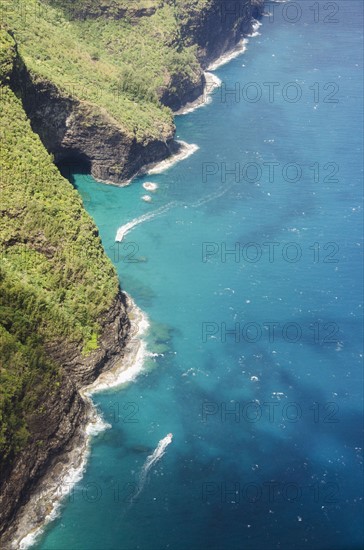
x: 75, y: 129
x: 60, y: 426
x: 217, y: 26
x: 63, y: 318
x: 114, y: 142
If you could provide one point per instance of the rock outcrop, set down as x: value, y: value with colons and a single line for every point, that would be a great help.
x: 75, y: 130
x: 218, y: 27
x: 79, y: 131
x: 59, y: 429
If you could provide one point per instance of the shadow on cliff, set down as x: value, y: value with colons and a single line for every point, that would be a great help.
x: 75, y: 163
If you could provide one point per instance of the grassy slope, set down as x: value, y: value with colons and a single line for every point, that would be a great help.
x: 119, y: 65
x: 55, y: 280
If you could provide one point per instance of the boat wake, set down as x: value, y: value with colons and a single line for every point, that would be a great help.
x: 124, y: 229
x: 212, y: 196
x: 150, y: 462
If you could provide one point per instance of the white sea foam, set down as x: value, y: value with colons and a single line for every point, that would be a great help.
x: 239, y: 49
x: 115, y: 378
x: 229, y: 55
x: 256, y: 25
x: 186, y: 150
x: 147, y: 198
x: 150, y: 186
x: 134, y: 357
x: 212, y: 82
x: 151, y: 460
x: 60, y: 480
x: 55, y: 488
x: 124, y: 229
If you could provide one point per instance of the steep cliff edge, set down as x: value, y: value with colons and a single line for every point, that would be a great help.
x: 216, y: 26
x: 63, y: 318
x: 78, y: 131
x: 98, y: 85
x: 99, y: 80
x: 57, y: 422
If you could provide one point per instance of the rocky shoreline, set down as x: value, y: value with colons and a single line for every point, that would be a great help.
x: 60, y: 430
x: 66, y: 469
x: 79, y: 132
x: 28, y: 496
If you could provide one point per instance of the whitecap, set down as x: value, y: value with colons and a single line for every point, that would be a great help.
x: 150, y: 186
x: 229, y: 55
x: 147, y: 198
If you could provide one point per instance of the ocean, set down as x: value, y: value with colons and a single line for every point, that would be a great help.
x: 247, y: 264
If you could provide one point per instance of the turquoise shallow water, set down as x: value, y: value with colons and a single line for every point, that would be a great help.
x: 267, y: 447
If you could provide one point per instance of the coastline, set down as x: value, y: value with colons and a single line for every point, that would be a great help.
x: 238, y: 49
x: 67, y: 469
x: 184, y: 150
x: 212, y: 81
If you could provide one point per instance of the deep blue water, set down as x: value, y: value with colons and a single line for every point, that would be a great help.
x: 267, y: 423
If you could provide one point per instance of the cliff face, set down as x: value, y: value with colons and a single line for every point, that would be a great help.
x: 214, y: 27
x: 55, y: 433
x: 72, y: 128
x: 63, y: 318
x: 217, y: 26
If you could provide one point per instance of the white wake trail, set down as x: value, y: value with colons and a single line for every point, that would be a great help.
x: 124, y: 229
x: 216, y: 195
x: 150, y: 462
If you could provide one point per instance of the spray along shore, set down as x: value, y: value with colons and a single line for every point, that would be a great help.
x: 68, y: 468
x: 45, y: 504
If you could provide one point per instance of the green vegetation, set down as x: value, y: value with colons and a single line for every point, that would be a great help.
x: 55, y: 280
x: 119, y: 65
x: 7, y: 56
x: 108, y: 8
